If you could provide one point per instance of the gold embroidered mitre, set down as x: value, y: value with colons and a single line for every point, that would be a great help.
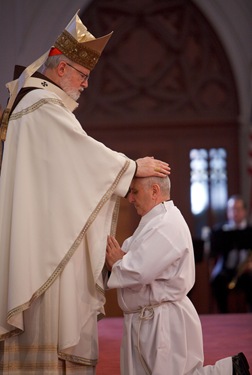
x: 79, y: 45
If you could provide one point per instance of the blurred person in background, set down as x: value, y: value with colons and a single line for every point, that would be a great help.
x: 231, y: 251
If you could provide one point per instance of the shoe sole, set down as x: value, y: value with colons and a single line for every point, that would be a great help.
x: 244, y: 364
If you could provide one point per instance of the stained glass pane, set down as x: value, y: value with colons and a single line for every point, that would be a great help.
x: 209, y: 190
x: 218, y: 178
x: 199, y: 180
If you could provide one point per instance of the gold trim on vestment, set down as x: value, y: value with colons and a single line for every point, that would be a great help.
x: 41, y: 359
x: 62, y: 264
x: 77, y: 359
x: 4, y: 124
x: 115, y: 216
x: 9, y: 334
x: 35, y: 106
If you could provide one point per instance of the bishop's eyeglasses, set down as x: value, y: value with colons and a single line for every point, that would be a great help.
x: 84, y: 76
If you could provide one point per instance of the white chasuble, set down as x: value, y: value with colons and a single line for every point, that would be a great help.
x: 59, y: 189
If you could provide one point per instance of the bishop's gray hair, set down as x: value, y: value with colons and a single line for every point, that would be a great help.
x: 53, y: 61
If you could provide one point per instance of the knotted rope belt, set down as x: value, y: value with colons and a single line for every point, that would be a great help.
x: 145, y: 313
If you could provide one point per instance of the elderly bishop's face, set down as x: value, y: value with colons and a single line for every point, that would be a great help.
x: 75, y: 79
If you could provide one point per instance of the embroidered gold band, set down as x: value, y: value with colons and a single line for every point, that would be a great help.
x: 4, y: 124
x: 75, y: 51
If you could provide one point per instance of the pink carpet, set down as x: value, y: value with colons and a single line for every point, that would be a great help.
x: 224, y: 335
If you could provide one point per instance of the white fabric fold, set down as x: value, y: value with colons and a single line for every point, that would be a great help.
x: 58, y: 191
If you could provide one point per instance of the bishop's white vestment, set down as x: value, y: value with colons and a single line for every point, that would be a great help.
x: 59, y: 192
x: 162, y: 331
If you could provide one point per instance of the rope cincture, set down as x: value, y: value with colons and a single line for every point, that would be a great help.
x: 145, y: 313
